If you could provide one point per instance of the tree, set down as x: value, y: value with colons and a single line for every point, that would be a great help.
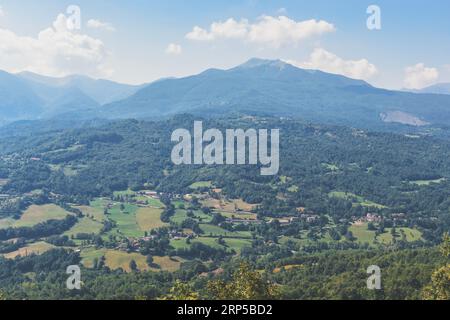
x: 439, y: 289
x: 181, y: 291
x: 246, y: 284
x: 133, y: 266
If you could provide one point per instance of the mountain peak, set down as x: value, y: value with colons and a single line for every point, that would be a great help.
x: 257, y: 62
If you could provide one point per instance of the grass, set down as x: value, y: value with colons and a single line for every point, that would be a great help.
x: 236, y: 244
x: 238, y: 215
x: 6, y: 223
x: 215, y: 231
x: 85, y: 225
x: 427, y: 182
x: 179, y: 244
x: 355, y: 199
x: 126, y: 220
x: 149, y: 218
x: 287, y: 267
x: 362, y: 234
x: 128, y: 192
x: 150, y: 201
x: 331, y: 167
x: 34, y: 248
x: 36, y: 214
x: 228, y: 205
x: 410, y: 235
x: 181, y: 215
x: 116, y: 259
x: 201, y: 184
x: 366, y: 236
x: 167, y: 263
x: 95, y: 210
x: 179, y: 204
x: 88, y: 256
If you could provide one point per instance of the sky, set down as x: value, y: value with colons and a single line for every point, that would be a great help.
x: 139, y: 41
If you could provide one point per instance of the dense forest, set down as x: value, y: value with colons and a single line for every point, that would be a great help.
x: 344, y: 199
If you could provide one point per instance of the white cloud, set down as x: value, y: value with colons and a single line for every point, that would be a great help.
x: 419, y: 76
x: 57, y: 51
x: 174, y: 49
x: 267, y: 30
x: 323, y: 60
x: 2, y: 12
x: 97, y: 24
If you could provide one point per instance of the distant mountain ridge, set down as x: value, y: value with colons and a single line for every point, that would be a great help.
x: 274, y: 87
x: 101, y: 91
x: 257, y: 87
x: 440, y: 88
x: 29, y: 96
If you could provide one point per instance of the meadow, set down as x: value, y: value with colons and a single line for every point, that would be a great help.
x: 36, y: 214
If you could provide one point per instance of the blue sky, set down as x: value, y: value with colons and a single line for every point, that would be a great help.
x: 139, y: 41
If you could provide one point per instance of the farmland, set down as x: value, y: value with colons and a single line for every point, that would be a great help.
x: 115, y: 259
x: 149, y: 218
x: 34, y: 248
x: 36, y: 214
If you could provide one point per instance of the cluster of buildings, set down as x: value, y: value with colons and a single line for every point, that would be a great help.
x: 370, y: 217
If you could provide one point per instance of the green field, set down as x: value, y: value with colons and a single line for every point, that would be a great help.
x: 410, y: 235
x: 116, y: 259
x: 236, y: 244
x: 238, y: 215
x: 201, y: 184
x: 181, y: 215
x: 126, y: 220
x: 166, y: 263
x: 95, y: 210
x: 36, y: 214
x: 366, y: 236
x: 362, y: 234
x: 85, y: 225
x: 124, y: 193
x: 215, y: 231
x: 34, y: 248
x: 150, y: 201
x: 149, y: 218
x: 357, y: 200
x: 6, y: 223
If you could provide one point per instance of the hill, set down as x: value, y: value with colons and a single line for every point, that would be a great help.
x: 266, y: 87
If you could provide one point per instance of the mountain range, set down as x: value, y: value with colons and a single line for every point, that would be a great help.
x: 440, y: 88
x: 262, y: 87
x: 29, y: 96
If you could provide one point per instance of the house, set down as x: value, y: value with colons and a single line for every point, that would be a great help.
x: 373, y: 218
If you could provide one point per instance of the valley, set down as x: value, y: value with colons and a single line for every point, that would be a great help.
x: 339, y: 191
